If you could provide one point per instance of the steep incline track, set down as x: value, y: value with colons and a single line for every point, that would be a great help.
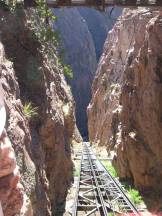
x: 98, y: 192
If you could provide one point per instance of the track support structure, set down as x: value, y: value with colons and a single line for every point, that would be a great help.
x: 98, y: 193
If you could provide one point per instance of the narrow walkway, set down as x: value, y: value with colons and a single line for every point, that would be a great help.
x: 98, y: 193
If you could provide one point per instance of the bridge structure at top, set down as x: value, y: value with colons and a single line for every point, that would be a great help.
x: 100, y: 4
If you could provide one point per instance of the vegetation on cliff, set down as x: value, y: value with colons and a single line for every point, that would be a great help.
x: 29, y: 110
x: 40, y: 130
x: 133, y: 193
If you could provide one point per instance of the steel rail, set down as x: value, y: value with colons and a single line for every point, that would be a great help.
x: 80, y: 182
x: 119, y: 189
x: 101, y: 199
x: 97, y: 191
x: 93, y: 186
x: 87, y: 190
x: 77, y: 192
x: 102, y: 183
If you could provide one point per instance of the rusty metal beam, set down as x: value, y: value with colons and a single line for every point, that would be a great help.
x: 98, y: 4
x: 104, y: 3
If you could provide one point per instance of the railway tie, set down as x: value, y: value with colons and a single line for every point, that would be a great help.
x: 98, y: 192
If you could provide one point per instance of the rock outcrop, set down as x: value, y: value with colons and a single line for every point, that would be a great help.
x: 31, y: 73
x: 125, y: 110
x: 83, y: 32
x: 11, y: 192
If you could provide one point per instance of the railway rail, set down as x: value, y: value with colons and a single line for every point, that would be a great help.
x: 98, y: 193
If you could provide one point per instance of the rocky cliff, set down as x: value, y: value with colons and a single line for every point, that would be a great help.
x: 125, y: 110
x: 41, y: 134
x: 83, y: 32
x: 11, y: 191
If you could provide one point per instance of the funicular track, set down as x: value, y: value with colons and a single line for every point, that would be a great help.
x: 98, y: 192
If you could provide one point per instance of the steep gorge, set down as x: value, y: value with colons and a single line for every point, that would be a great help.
x: 125, y: 111
x: 42, y: 144
x: 124, y: 114
x: 83, y: 32
x: 31, y: 73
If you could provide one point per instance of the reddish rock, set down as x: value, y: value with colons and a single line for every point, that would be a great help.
x: 7, y: 158
x: 14, y: 202
x: 42, y: 143
x: 125, y: 110
x: 11, y: 193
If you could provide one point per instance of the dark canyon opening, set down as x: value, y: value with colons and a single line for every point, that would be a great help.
x: 83, y: 32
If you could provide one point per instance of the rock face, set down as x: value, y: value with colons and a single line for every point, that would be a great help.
x: 18, y: 132
x: 125, y: 110
x: 41, y: 143
x: 11, y: 192
x: 83, y: 32
x: 99, y: 24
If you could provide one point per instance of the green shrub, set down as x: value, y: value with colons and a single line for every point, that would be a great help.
x: 46, y: 32
x: 111, y: 214
x: 43, y: 11
x: 8, y: 5
x: 110, y: 168
x: 68, y: 71
x: 127, y: 184
x: 134, y: 196
x: 76, y: 172
x: 29, y: 110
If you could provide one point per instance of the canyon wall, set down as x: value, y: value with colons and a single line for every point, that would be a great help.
x: 125, y: 111
x: 83, y: 32
x: 42, y: 142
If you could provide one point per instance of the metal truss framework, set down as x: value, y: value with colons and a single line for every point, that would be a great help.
x: 98, y: 4
x: 104, y: 3
x: 98, y: 192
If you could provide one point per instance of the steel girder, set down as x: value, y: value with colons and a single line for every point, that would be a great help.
x: 98, y: 192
